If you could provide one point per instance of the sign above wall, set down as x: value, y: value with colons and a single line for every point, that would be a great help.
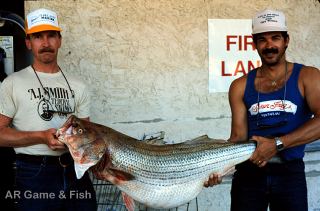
x: 231, y: 52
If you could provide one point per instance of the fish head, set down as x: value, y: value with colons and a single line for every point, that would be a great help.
x: 84, y: 142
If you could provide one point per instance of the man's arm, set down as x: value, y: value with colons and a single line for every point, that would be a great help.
x: 10, y: 137
x: 309, y: 85
x: 239, y: 124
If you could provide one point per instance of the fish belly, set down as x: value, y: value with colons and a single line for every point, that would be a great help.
x: 162, y: 197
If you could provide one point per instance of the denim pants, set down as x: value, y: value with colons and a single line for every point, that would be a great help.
x: 7, y: 158
x: 282, y: 187
x: 51, y: 187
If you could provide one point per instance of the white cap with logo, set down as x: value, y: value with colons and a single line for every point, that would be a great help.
x: 42, y: 20
x: 268, y: 20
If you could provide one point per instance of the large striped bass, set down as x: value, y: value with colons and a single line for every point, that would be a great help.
x: 159, y: 176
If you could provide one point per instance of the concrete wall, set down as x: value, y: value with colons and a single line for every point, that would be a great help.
x: 147, y: 63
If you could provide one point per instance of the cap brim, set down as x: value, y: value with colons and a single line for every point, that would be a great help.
x: 271, y: 29
x: 41, y: 28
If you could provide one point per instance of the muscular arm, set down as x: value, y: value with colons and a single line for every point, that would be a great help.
x: 11, y: 137
x: 239, y: 127
x: 309, y: 85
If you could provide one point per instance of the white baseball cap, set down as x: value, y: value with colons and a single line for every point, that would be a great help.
x: 42, y: 20
x: 268, y: 20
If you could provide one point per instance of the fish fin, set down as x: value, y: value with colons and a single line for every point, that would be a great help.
x: 155, y: 138
x: 128, y: 201
x: 204, y: 139
x: 219, y: 141
x: 201, y: 138
x: 155, y: 142
x: 80, y: 169
x: 120, y: 175
x: 229, y: 171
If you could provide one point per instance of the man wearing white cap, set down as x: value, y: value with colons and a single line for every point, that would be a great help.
x: 34, y: 102
x: 278, y: 106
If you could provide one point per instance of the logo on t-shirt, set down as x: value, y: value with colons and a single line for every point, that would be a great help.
x: 273, y: 106
x: 44, y: 110
x: 53, y: 101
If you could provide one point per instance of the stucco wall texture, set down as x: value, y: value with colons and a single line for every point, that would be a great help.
x: 147, y: 65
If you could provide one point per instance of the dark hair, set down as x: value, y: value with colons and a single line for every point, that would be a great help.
x: 284, y: 34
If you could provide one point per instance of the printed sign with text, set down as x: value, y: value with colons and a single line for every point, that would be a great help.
x: 231, y: 52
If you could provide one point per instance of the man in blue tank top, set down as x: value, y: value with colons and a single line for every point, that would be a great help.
x: 278, y: 106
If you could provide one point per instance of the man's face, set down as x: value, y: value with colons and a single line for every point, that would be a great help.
x: 44, y: 46
x: 271, y: 47
x: 45, y: 107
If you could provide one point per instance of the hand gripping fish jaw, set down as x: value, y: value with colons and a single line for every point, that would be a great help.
x: 85, y: 150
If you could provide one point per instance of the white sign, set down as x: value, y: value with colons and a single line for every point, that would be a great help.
x: 231, y: 52
x: 6, y: 43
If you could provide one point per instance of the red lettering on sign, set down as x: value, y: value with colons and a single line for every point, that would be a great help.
x: 229, y: 42
x: 242, y: 42
x: 238, y: 69
x: 223, y: 72
x: 248, y: 41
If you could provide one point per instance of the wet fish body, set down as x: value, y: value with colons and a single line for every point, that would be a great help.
x: 159, y: 176
x: 172, y: 175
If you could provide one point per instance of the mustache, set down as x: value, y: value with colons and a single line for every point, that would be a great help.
x: 43, y: 50
x: 270, y: 50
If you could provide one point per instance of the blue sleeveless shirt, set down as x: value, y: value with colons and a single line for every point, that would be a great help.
x: 277, y: 113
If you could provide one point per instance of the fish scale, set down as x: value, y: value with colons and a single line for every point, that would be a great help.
x: 164, y: 176
x: 181, y: 167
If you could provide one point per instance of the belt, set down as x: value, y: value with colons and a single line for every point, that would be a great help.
x: 63, y: 160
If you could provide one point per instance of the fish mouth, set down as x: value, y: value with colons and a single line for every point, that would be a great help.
x: 61, y: 133
x: 69, y: 131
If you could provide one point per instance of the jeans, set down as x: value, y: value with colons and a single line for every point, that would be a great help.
x: 51, y: 187
x: 7, y: 158
x: 282, y: 187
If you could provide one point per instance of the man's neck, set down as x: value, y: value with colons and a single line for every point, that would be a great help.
x: 46, y: 68
x: 275, y: 67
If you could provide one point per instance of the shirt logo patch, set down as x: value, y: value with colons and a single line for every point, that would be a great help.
x: 273, y: 106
